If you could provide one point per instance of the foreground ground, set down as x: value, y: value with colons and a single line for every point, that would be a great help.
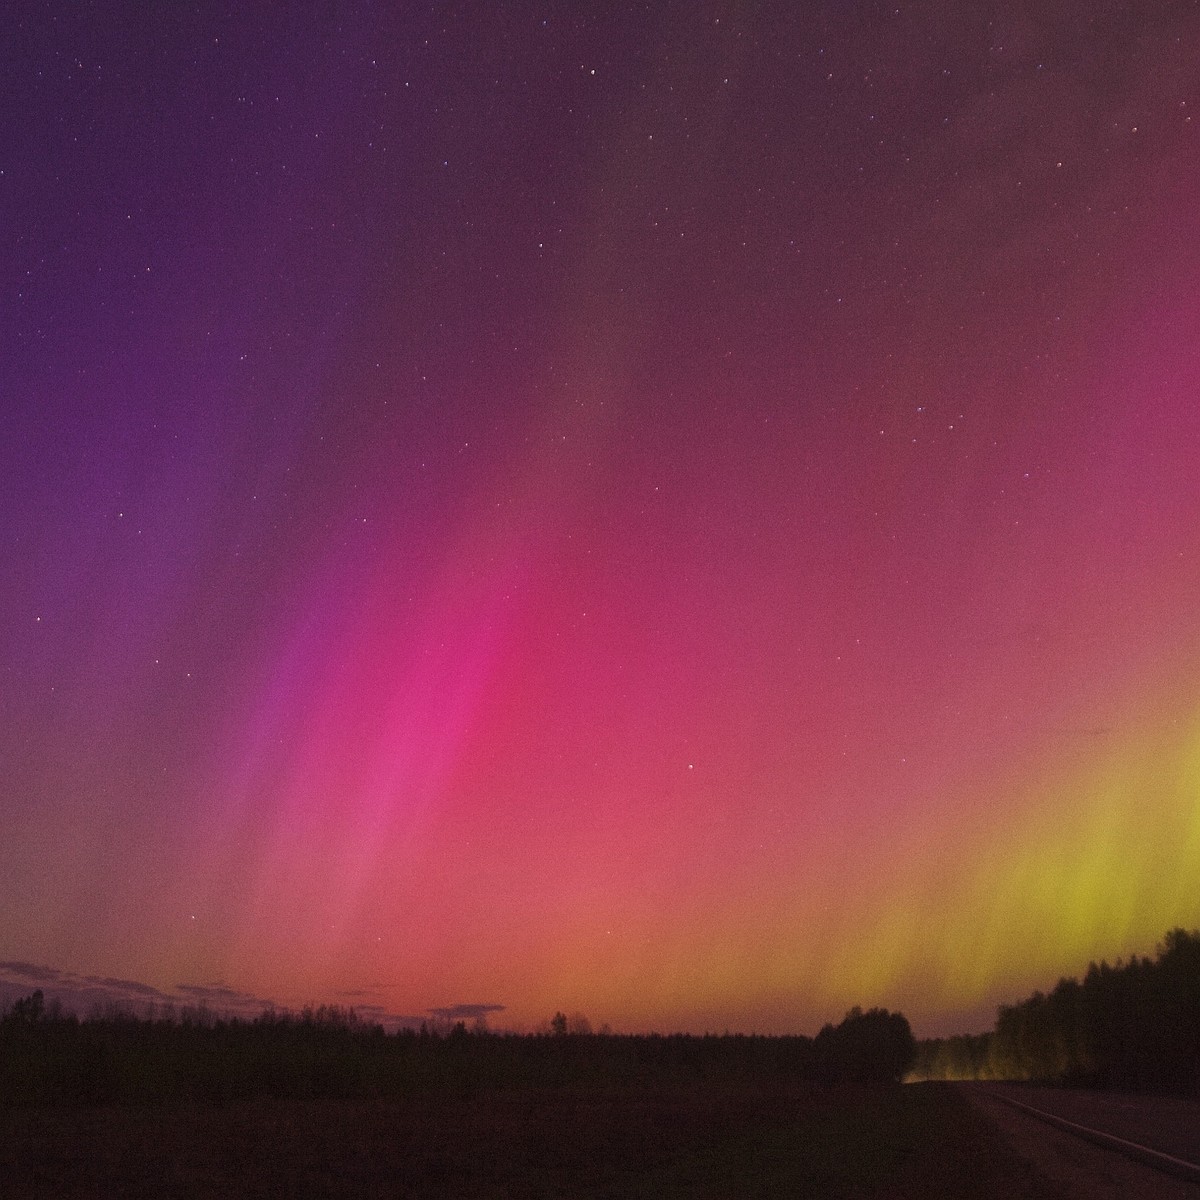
x: 737, y: 1140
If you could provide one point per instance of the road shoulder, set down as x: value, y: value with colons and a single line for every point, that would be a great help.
x: 1082, y: 1169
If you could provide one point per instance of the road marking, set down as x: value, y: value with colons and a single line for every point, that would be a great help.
x: 1168, y: 1163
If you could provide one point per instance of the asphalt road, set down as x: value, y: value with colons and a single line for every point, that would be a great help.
x: 1168, y: 1125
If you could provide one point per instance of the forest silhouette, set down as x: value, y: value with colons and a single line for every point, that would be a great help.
x: 48, y: 1056
x: 1134, y: 1026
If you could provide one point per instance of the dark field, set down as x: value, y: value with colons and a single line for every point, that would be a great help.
x: 323, y: 1105
x: 738, y: 1137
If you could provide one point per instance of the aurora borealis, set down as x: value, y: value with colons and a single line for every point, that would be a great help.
x: 684, y: 513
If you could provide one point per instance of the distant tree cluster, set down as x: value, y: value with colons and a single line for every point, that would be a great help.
x: 48, y: 1057
x: 561, y: 1024
x: 1132, y: 1026
x: 964, y: 1056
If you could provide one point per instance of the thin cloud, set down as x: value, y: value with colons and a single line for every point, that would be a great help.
x: 30, y: 971
x: 127, y: 986
x: 85, y: 995
x: 466, y: 1012
x: 80, y: 994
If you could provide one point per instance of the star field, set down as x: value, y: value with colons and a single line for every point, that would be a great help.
x: 682, y: 513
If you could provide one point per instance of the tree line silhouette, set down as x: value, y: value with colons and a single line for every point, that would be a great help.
x: 1133, y: 1026
x: 51, y: 1057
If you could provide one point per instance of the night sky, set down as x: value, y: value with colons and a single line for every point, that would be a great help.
x: 683, y: 512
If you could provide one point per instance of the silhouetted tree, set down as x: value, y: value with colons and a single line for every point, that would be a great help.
x: 30, y: 1009
x: 1132, y: 1025
x: 867, y: 1047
